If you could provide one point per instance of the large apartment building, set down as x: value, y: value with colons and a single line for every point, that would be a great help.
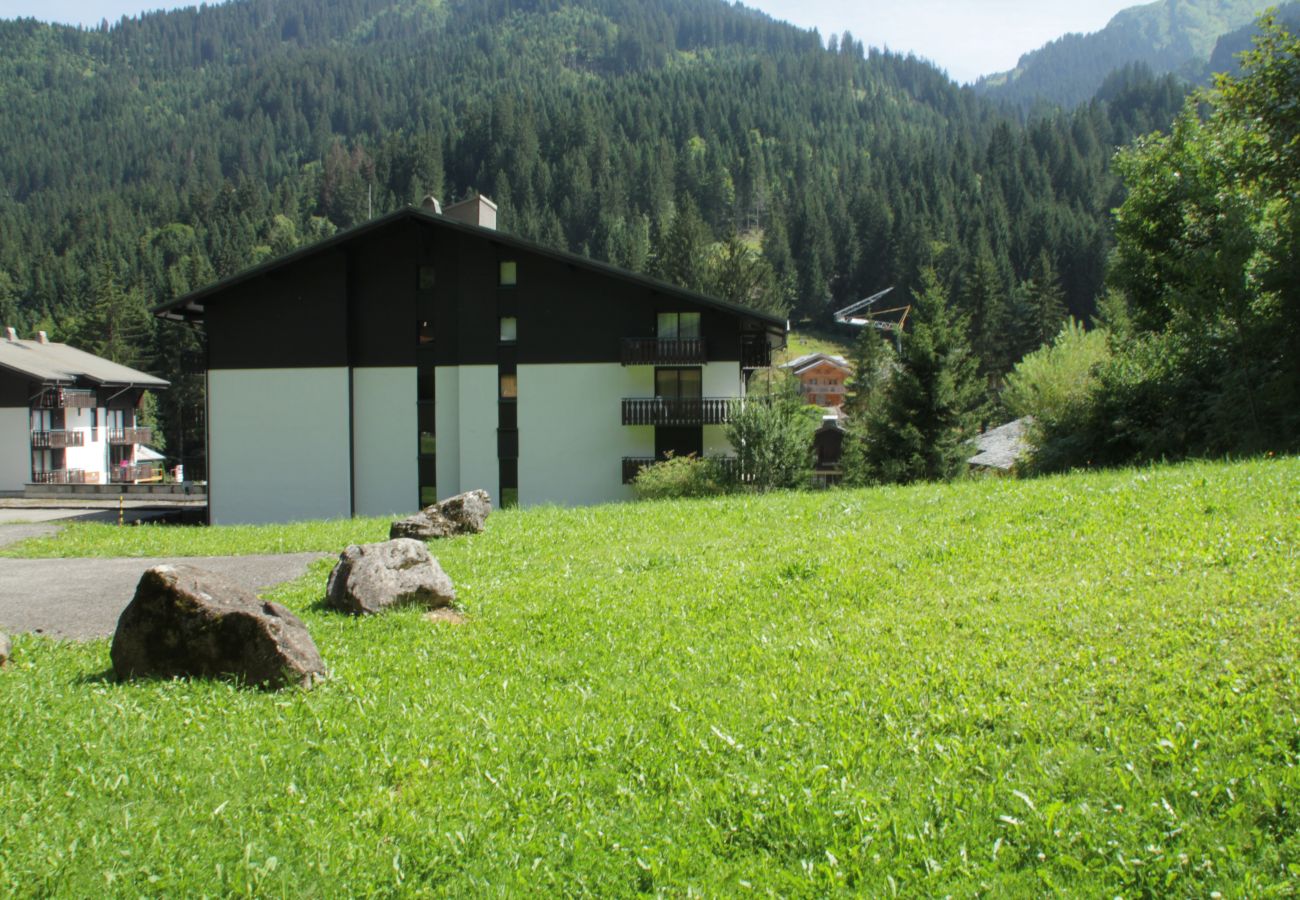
x: 69, y: 417
x: 423, y: 354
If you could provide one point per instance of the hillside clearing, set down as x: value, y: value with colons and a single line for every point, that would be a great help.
x: 1086, y: 684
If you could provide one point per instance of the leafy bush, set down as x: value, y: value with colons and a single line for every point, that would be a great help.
x: 680, y: 476
x: 1055, y: 379
x: 773, y: 437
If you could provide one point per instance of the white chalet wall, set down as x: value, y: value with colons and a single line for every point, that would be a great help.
x: 385, y: 452
x: 278, y: 447
x: 15, y: 448
x: 93, y: 456
x: 466, y: 398
x: 571, y: 437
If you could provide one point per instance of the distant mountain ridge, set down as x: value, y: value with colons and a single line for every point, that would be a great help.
x: 1169, y: 36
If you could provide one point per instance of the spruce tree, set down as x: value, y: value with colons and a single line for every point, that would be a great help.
x: 872, y: 360
x: 919, y: 429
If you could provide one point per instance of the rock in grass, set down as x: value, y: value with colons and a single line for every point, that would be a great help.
x: 463, y: 514
x: 370, y: 578
x: 6, y: 649
x: 184, y: 621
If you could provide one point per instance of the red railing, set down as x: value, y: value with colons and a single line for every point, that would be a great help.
x: 132, y: 474
x: 56, y: 440
x: 655, y: 352
x: 680, y: 412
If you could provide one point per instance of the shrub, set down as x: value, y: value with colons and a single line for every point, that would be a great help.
x: 680, y: 476
x: 1054, y: 380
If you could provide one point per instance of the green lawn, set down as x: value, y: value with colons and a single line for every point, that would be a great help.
x: 1084, y: 684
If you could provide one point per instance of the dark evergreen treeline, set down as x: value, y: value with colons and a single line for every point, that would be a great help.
x: 142, y: 160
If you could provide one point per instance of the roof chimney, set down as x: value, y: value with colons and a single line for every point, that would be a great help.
x: 477, y: 210
x: 431, y: 204
x: 11, y: 334
x: 42, y: 337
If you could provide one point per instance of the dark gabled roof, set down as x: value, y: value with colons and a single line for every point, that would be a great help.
x: 61, y: 364
x: 191, y: 305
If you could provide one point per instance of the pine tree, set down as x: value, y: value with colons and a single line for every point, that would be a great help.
x: 872, y: 360
x: 918, y: 431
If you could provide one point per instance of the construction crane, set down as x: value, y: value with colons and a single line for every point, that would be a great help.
x: 861, y: 314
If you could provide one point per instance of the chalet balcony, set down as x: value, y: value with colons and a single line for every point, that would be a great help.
x: 57, y: 440
x: 680, y: 412
x: 130, y: 435
x: 755, y: 354
x: 634, y: 464
x: 65, y: 398
x: 133, y: 474
x: 65, y: 476
x: 656, y: 352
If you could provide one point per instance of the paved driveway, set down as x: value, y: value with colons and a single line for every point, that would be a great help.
x: 82, y: 598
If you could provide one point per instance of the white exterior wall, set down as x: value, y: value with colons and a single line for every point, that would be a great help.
x: 93, y: 456
x: 278, y: 447
x: 15, y: 448
x: 571, y: 437
x: 722, y: 379
x: 446, y: 389
x: 385, y: 444
x: 466, y: 419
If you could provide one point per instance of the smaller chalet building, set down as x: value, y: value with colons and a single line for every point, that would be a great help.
x: 821, y: 378
x: 69, y: 417
x: 421, y: 355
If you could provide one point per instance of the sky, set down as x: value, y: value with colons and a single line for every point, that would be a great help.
x: 957, y: 35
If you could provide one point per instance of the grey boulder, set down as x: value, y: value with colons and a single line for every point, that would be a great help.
x: 370, y: 578
x: 463, y: 514
x: 184, y: 621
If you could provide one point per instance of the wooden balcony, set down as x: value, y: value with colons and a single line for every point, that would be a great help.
x: 65, y: 398
x: 130, y: 435
x: 634, y: 464
x: 65, y: 476
x: 680, y: 412
x: 134, y: 474
x: 755, y: 354
x: 655, y: 352
x: 57, y: 440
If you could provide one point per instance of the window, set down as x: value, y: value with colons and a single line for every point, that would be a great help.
x: 509, y: 273
x: 426, y: 331
x: 424, y: 280
x: 678, y: 384
x: 509, y: 329
x: 509, y: 386
x: 675, y: 326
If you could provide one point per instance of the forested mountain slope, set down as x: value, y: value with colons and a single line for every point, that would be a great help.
x: 140, y: 161
x: 1169, y: 36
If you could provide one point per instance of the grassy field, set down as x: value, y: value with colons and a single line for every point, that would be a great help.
x: 1085, y: 685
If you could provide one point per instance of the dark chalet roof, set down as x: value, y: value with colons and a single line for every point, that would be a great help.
x: 191, y: 306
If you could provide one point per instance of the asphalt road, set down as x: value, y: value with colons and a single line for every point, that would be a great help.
x: 81, y: 599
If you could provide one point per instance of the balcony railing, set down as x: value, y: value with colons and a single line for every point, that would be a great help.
x: 634, y: 464
x: 132, y: 474
x: 65, y: 398
x: 683, y: 412
x: 655, y: 352
x: 65, y: 476
x: 130, y: 435
x: 56, y: 440
x: 755, y: 354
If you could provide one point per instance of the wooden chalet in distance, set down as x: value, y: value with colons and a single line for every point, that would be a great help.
x: 424, y: 353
